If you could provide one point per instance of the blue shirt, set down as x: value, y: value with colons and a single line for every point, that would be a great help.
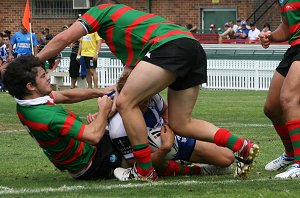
x: 22, y: 43
x: 245, y: 31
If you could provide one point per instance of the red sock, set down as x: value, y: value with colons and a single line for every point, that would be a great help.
x: 175, y: 168
x: 294, y: 132
x: 142, y: 154
x: 224, y: 138
x: 283, y: 133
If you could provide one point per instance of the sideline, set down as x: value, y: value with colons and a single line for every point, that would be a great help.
x: 11, y: 191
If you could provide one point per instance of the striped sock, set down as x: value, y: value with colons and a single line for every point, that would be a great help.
x: 224, y: 138
x: 142, y: 154
x: 175, y: 168
x: 283, y: 133
x: 294, y: 132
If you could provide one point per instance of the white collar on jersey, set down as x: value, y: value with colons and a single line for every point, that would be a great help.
x: 36, y: 101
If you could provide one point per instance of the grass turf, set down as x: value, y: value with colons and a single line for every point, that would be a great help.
x: 26, y: 172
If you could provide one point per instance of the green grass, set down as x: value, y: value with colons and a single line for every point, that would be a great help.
x: 26, y: 172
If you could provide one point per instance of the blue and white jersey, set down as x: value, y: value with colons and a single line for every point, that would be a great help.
x: 3, y: 53
x: 22, y: 43
x: 153, y: 118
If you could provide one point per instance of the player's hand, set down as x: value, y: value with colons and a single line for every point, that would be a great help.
x: 105, y: 104
x: 95, y: 58
x: 264, y: 38
x: 78, y: 57
x: 167, y: 137
x: 91, y: 117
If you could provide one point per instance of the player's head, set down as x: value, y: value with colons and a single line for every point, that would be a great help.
x: 23, y: 77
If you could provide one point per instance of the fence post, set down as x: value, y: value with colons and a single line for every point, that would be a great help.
x: 256, y: 75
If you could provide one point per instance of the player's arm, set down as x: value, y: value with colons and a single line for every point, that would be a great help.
x: 76, y: 95
x: 167, y: 141
x: 281, y: 33
x: 94, y: 131
x: 62, y: 40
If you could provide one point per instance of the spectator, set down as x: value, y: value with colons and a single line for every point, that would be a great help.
x: 242, y: 33
x: 227, y: 31
x: 4, y: 51
x: 89, y: 47
x: 23, y: 44
x: 253, y: 33
x: 212, y: 29
x: 266, y: 28
x: 191, y: 28
x: 74, y: 63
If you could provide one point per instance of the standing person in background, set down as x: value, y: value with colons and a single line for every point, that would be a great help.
x: 74, y: 63
x: 282, y: 105
x: 164, y: 55
x: 89, y: 47
x: 22, y: 42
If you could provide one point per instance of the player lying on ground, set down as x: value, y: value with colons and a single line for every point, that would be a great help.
x: 85, y: 151
x: 189, y: 149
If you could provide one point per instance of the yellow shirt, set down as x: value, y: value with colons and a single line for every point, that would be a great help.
x: 89, y: 44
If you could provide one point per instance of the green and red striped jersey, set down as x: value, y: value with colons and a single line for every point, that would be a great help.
x: 291, y: 11
x: 58, y: 132
x: 130, y: 33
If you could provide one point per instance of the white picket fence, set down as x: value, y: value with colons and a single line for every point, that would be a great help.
x: 222, y: 74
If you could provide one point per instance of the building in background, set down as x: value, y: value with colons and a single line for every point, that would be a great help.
x: 53, y: 14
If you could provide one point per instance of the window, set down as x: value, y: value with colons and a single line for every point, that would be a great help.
x: 54, y: 9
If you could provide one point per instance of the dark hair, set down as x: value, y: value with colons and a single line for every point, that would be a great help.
x: 18, y: 73
x: 267, y: 25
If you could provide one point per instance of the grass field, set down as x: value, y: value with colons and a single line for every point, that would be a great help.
x: 26, y: 172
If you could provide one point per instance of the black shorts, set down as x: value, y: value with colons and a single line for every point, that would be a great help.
x: 291, y: 55
x: 90, y: 63
x: 106, y: 159
x: 186, y: 58
x: 74, y: 66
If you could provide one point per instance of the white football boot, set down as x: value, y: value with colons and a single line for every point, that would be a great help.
x: 279, y: 163
x: 291, y: 173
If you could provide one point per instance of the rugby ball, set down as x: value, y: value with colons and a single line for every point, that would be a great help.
x: 155, y: 142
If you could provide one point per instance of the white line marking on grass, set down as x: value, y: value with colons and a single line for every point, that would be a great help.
x: 12, y: 131
x: 6, y: 190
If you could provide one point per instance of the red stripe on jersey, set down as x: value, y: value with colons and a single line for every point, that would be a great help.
x: 295, y: 42
x: 66, y: 151
x: 79, y: 136
x: 290, y: 7
x: 118, y: 13
x: 67, y: 125
x: 91, y: 21
x: 128, y: 42
x: 170, y: 33
x: 75, y: 156
x: 150, y: 30
x: 49, y: 142
x: 294, y: 28
x: 33, y: 125
x: 103, y: 6
x: 109, y: 35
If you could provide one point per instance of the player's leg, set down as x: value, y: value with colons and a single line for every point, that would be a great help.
x: 144, y: 81
x: 181, y: 122
x: 290, y: 102
x: 274, y: 112
x: 209, y: 153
